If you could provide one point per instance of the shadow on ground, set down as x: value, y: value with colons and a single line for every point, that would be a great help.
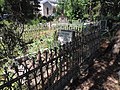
x: 102, y: 75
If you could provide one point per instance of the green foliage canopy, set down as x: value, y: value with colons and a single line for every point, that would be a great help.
x: 12, y: 27
x: 93, y: 9
x: 73, y: 9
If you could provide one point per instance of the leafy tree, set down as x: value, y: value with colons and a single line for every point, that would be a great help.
x: 73, y: 9
x: 20, y: 12
x: 106, y: 8
x: 76, y: 10
x: 93, y: 9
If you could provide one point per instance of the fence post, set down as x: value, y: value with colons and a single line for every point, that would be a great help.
x: 27, y: 76
x: 7, y: 77
x: 60, y: 63
x: 16, y: 70
x: 51, y: 57
x: 56, y: 61
x: 35, y: 73
x: 41, y: 70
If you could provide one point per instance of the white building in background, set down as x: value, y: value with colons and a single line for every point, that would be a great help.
x: 48, y: 7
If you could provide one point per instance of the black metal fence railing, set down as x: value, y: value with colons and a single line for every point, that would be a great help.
x: 54, y: 68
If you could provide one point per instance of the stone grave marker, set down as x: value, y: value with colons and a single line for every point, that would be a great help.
x: 65, y: 36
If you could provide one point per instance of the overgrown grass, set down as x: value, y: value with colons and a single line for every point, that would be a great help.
x: 41, y: 41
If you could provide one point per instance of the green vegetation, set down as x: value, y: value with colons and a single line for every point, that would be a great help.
x: 16, y: 41
x: 89, y: 9
x: 18, y: 12
x: 41, y: 40
x: 22, y: 12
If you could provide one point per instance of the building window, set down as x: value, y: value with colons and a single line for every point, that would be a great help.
x: 47, y: 11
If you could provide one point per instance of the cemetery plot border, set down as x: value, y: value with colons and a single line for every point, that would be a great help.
x: 53, y: 69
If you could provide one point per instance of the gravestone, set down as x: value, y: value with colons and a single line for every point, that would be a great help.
x: 65, y: 36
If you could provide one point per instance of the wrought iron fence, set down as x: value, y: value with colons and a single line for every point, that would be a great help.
x: 53, y: 69
x: 32, y: 31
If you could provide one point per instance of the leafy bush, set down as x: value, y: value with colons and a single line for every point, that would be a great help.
x: 34, y: 21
